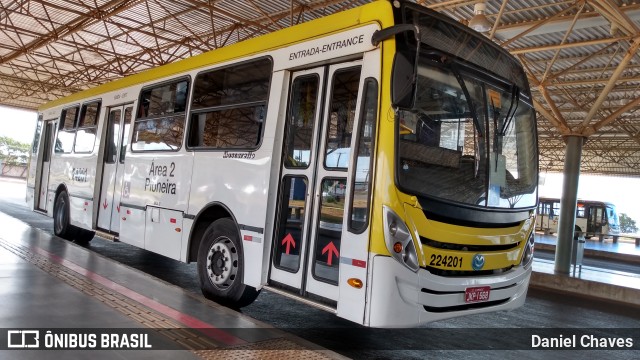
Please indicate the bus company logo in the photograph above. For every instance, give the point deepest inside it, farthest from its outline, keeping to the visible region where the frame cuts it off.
(478, 262)
(20, 339)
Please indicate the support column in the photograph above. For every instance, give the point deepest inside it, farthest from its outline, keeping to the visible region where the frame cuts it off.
(568, 204)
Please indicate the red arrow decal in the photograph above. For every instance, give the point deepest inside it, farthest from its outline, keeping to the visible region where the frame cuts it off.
(118, 208)
(332, 251)
(104, 205)
(289, 241)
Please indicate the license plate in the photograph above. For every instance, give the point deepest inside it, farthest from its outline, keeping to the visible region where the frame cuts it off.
(477, 294)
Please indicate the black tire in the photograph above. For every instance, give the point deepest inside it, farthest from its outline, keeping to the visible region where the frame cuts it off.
(84, 236)
(61, 226)
(220, 266)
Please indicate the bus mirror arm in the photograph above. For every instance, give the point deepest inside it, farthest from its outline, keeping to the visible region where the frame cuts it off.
(381, 35)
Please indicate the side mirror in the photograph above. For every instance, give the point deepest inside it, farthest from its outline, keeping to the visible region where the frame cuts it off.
(403, 83)
(405, 67)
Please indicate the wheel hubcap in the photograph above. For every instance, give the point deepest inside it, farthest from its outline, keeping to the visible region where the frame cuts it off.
(222, 263)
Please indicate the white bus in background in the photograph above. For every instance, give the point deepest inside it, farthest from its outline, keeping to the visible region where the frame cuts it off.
(593, 218)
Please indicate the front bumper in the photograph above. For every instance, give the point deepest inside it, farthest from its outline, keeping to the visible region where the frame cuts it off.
(402, 298)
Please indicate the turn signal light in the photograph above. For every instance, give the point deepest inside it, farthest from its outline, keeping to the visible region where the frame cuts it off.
(397, 247)
(356, 283)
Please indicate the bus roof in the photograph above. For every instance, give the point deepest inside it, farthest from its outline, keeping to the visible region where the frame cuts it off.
(378, 11)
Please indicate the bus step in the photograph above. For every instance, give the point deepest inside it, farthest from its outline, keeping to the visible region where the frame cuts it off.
(300, 298)
(107, 236)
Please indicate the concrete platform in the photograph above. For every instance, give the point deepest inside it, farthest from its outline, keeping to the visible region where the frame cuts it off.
(622, 250)
(604, 284)
(47, 283)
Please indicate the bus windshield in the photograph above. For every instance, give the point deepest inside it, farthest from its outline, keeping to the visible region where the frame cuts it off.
(470, 136)
(467, 139)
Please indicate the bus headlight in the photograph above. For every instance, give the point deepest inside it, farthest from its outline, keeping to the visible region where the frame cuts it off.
(398, 240)
(527, 256)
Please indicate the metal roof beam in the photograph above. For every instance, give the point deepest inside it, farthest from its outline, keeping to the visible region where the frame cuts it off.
(631, 52)
(538, 25)
(556, 120)
(592, 81)
(111, 8)
(568, 45)
(611, 118)
(612, 13)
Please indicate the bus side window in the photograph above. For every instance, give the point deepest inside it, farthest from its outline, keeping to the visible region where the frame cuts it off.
(365, 145)
(125, 133)
(342, 113)
(67, 130)
(113, 132)
(87, 128)
(229, 106)
(160, 122)
(36, 136)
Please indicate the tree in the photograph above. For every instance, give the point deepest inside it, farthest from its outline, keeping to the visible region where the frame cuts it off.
(13, 152)
(627, 224)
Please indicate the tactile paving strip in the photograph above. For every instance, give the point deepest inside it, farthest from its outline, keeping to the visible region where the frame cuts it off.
(278, 349)
(188, 338)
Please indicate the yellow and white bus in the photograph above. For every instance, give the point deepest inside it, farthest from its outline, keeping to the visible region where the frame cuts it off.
(379, 163)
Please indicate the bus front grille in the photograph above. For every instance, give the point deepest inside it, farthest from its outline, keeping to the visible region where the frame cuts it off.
(467, 247)
(454, 273)
(465, 306)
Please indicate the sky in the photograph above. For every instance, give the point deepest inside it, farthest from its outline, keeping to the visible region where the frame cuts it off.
(624, 192)
(17, 124)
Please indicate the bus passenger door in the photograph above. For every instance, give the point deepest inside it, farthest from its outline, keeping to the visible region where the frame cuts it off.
(47, 144)
(594, 222)
(302, 126)
(331, 188)
(118, 125)
(315, 188)
(545, 216)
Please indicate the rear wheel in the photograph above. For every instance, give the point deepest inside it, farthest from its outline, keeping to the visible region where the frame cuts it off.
(221, 264)
(61, 225)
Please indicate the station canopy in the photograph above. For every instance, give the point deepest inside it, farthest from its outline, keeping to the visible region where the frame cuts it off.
(581, 56)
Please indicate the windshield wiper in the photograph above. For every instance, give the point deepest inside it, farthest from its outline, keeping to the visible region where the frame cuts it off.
(465, 91)
(515, 98)
(498, 135)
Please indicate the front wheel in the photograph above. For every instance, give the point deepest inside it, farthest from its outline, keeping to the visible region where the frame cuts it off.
(220, 266)
(61, 226)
